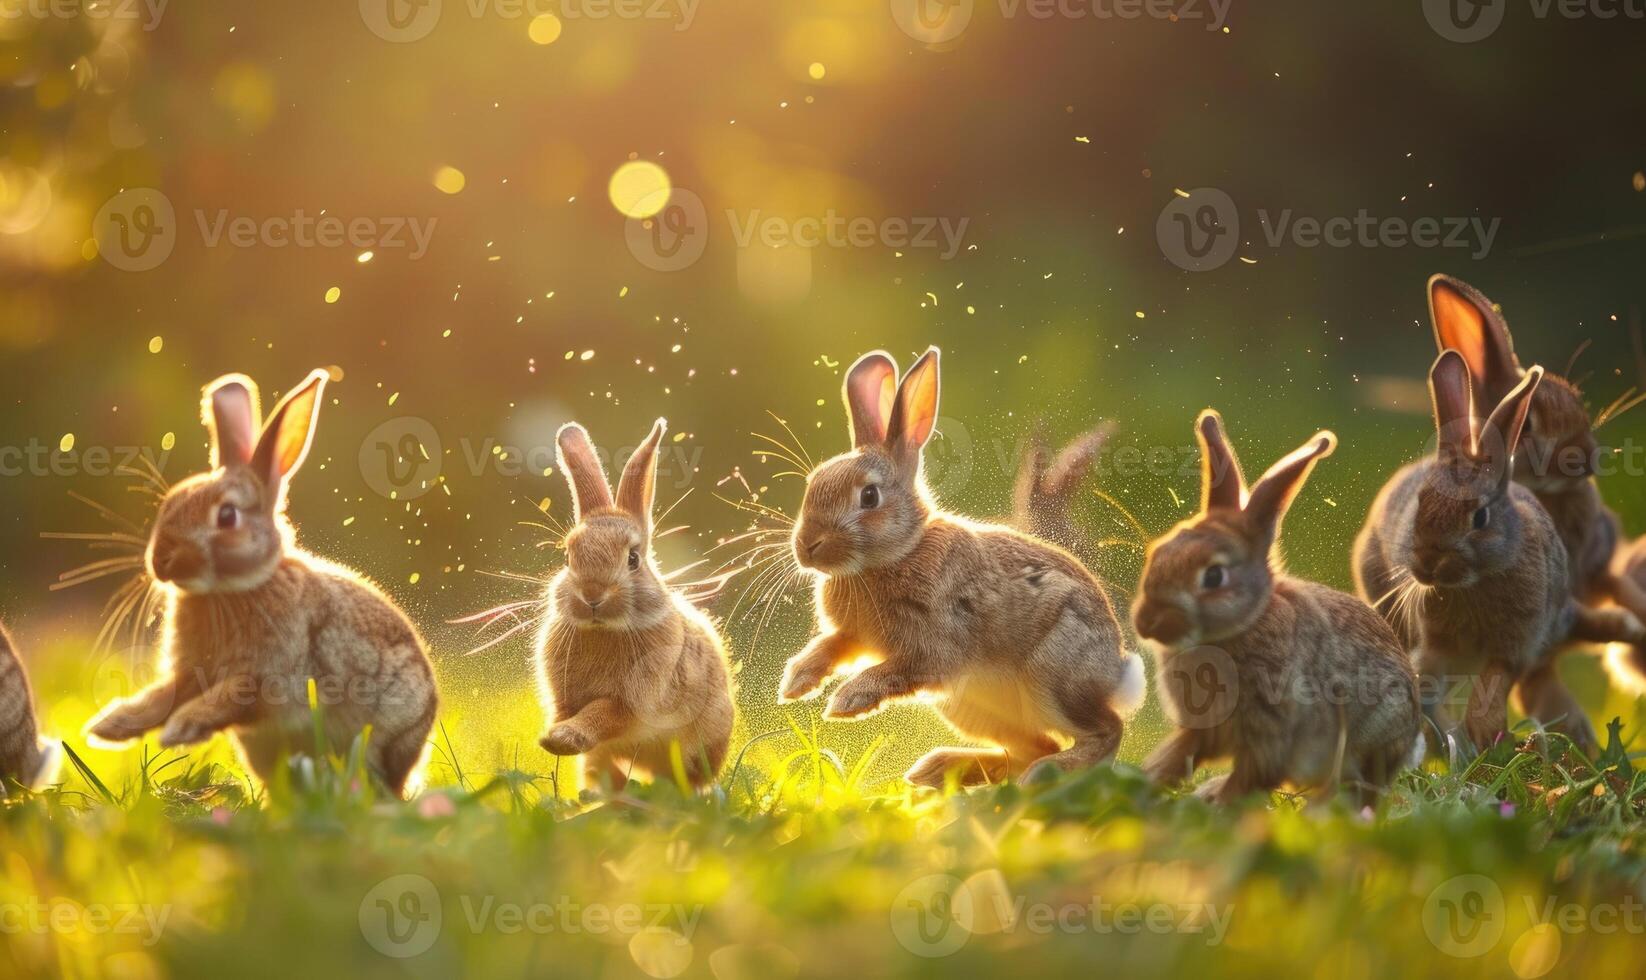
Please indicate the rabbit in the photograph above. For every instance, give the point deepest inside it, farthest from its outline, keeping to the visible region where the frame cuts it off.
(1014, 638)
(627, 668)
(1484, 566)
(1628, 663)
(1558, 452)
(1303, 682)
(250, 618)
(26, 758)
(1043, 496)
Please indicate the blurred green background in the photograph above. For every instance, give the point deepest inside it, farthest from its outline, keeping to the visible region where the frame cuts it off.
(1057, 141)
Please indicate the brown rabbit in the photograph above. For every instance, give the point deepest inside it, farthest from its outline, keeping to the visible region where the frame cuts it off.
(251, 618)
(1295, 682)
(628, 669)
(1043, 498)
(1558, 453)
(1629, 663)
(1484, 565)
(25, 757)
(1014, 636)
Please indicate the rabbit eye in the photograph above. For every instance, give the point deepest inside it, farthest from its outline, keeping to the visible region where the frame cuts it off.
(228, 518)
(1214, 577)
(870, 497)
(1483, 517)
(634, 559)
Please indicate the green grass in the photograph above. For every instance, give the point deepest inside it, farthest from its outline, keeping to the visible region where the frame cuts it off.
(801, 863)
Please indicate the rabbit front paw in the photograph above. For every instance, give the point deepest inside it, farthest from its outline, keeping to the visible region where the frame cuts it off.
(185, 730)
(801, 680)
(567, 739)
(122, 721)
(853, 703)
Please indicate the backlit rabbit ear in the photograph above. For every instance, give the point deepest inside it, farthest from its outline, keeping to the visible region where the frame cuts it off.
(914, 414)
(639, 480)
(590, 492)
(288, 435)
(871, 385)
(1500, 436)
(1467, 322)
(1222, 485)
(230, 413)
(1274, 492)
(1452, 391)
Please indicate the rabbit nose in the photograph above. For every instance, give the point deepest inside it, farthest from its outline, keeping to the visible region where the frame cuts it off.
(1161, 623)
(593, 598)
(175, 561)
(1424, 565)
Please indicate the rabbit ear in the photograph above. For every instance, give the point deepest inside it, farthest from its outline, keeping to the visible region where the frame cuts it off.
(1501, 434)
(1450, 387)
(288, 434)
(639, 480)
(1466, 321)
(229, 410)
(1275, 490)
(914, 415)
(871, 386)
(590, 492)
(1222, 485)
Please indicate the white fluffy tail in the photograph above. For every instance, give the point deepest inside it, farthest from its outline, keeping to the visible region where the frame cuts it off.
(51, 760)
(1128, 694)
(1419, 753)
(1627, 667)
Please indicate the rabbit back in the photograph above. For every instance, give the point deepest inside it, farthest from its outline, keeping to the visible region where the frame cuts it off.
(982, 600)
(24, 755)
(674, 677)
(311, 619)
(1317, 670)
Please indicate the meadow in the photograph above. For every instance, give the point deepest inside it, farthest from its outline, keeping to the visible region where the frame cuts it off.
(434, 202)
(805, 860)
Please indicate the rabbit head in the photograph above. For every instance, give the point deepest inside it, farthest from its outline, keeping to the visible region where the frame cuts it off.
(610, 581)
(227, 531)
(1558, 444)
(1465, 525)
(1211, 577)
(866, 508)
